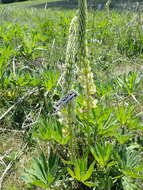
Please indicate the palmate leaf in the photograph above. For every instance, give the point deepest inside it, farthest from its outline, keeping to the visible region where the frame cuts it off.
(129, 82)
(39, 169)
(44, 163)
(59, 138)
(124, 114)
(39, 183)
(129, 163)
(42, 173)
(51, 129)
(139, 168)
(102, 153)
(44, 132)
(108, 152)
(89, 172)
(34, 179)
(77, 171)
(27, 178)
(50, 78)
(133, 158)
(104, 120)
(128, 184)
(81, 173)
(132, 173)
(122, 138)
(34, 172)
(53, 163)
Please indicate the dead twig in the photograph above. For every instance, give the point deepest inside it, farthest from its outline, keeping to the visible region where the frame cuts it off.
(134, 98)
(2, 157)
(2, 130)
(30, 124)
(33, 122)
(9, 109)
(4, 173)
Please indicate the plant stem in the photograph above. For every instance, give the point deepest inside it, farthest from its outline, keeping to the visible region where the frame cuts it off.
(70, 124)
(70, 78)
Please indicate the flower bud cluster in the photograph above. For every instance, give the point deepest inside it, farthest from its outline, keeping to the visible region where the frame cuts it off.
(88, 87)
(70, 68)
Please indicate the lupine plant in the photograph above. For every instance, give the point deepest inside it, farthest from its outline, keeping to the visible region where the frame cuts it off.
(93, 142)
(84, 144)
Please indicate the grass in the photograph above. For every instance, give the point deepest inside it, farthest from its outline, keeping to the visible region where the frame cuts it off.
(32, 48)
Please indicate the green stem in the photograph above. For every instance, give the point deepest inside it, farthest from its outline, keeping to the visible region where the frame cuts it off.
(71, 126)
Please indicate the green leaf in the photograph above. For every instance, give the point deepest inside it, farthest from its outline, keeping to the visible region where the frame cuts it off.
(39, 184)
(129, 184)
(38, 171)
(131, 173)
(102, 153)
(94, 153)
(122, 138)
(89, 184)
(88, 173)
(71, 173)
(77, 170)
(42, 173)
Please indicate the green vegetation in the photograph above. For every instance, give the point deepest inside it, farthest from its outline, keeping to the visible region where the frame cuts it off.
(96, 141)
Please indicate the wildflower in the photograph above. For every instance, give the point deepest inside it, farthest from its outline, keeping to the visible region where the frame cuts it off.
(84, 72)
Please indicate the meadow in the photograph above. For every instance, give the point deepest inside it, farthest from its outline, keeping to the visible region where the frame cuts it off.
(96, 140)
